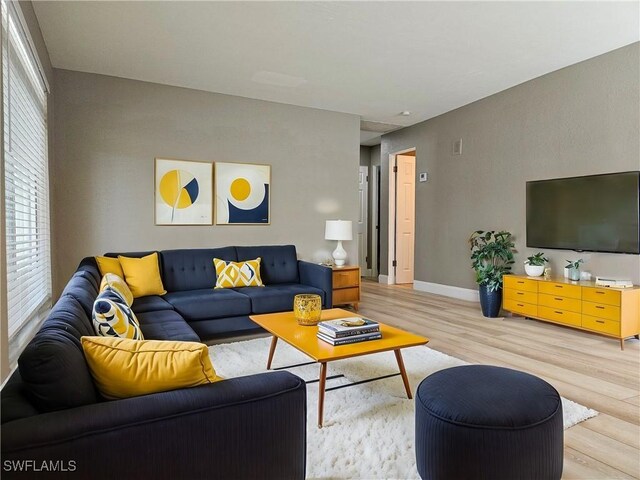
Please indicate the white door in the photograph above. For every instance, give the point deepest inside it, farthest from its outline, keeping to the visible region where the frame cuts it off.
(405, 217)
(361, 226)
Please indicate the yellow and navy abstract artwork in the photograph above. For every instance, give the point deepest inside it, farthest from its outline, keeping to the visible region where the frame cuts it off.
(183, 192)
(242, 193)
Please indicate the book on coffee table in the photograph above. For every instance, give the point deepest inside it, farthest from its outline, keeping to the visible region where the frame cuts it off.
(351, 339)
(346, 327)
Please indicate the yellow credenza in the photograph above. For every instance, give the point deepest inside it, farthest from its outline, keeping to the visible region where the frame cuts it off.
(608, 311)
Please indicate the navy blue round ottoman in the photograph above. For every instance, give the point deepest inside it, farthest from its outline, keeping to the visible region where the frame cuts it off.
(485, 422)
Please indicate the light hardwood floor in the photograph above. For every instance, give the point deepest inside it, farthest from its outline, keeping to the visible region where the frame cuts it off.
(583, 367)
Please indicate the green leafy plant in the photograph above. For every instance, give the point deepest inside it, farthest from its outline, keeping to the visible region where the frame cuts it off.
(491, 257)
(574, 265)
(537, 260)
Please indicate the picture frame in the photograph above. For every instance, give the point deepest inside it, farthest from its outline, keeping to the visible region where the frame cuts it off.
(243, 193)
(183, 192)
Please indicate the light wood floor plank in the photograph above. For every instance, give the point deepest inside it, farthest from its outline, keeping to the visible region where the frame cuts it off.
(584, 367)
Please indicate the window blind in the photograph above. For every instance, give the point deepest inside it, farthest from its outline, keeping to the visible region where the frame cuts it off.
(26, 179)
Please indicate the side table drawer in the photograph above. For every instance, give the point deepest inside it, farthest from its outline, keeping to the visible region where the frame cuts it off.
(601, 325)
(346, 295)
(347, 278)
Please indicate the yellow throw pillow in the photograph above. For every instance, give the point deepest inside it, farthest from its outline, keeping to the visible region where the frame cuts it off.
(142, 275)
(237, 274)
(109, 265)
(125, 368)
(113, 282)
(112, 317)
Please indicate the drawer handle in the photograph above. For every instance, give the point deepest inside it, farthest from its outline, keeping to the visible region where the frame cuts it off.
(520, 305)
(520, 281)
(599, 321)
(519, 293)
(558, 298)
(559, 286)
(559, 313)
(599, 292)
(598, 306)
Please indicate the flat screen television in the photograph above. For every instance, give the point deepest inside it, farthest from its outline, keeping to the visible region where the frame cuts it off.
(598, 213)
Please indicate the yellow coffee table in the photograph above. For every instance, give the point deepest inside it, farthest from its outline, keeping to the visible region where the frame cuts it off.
(285, 327)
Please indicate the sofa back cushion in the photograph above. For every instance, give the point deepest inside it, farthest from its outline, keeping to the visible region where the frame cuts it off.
(192, 269)
(52, 366)
(83, 288)
(279, 263)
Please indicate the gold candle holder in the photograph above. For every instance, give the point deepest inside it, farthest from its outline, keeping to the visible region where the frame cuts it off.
(307, 308)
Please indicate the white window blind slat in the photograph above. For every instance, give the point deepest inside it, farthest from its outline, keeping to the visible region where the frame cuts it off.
(26, 177)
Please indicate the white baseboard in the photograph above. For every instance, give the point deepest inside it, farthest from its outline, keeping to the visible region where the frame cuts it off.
(386, 279)
(447, 290)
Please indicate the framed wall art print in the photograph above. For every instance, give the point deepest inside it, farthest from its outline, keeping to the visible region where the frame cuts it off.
(243, 194)
(183, 192)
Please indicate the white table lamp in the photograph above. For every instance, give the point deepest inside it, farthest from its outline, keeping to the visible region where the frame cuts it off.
(338, 230)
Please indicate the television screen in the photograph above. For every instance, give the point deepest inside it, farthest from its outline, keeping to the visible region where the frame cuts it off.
(599, 213)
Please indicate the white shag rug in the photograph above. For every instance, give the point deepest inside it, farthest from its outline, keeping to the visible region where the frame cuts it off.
(368, 429)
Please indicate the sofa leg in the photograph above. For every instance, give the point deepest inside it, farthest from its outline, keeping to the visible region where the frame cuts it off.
(272, 350)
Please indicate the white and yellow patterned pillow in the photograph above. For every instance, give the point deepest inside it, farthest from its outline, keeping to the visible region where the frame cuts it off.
(112, 317)
(237, 274)
(113, 282)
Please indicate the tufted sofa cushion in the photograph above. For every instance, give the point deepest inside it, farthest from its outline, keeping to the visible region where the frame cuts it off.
(279, 262)
(192, 269)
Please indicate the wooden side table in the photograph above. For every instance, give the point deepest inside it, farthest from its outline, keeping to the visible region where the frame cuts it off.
(346, 285)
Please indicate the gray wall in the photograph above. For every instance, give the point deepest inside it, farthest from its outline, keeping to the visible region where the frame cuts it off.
(583, 119)
(108, 131)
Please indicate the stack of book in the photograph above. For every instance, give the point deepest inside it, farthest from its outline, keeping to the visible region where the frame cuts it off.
(343, 331)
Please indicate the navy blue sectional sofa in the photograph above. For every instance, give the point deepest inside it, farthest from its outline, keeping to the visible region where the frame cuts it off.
(248, 427)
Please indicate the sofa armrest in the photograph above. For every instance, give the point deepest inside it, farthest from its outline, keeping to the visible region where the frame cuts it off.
(247, 427)
(318, 276)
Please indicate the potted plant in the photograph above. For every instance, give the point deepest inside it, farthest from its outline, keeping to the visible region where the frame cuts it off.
(574, 269)
(534, 265)
(491, 257)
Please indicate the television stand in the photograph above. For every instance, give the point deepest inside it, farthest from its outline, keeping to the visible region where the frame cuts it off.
(614, 312)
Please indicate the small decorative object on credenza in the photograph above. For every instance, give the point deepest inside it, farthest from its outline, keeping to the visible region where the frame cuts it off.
(534, 265)
(343, 331)
(614, 282)
(573, 268)
(338, 230)
(307, 308)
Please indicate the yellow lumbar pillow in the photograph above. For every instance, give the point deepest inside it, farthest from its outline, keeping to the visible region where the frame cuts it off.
(238, 274)
(125, 368)
(115, 283)
(109, 265)
(142, 275)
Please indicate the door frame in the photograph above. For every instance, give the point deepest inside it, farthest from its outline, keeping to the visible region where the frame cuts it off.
(366, 270)
(374, 218)
(391, 276)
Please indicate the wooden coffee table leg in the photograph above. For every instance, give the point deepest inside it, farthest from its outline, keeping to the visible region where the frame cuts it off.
(323, 380)
(272, 350)
(403, 373)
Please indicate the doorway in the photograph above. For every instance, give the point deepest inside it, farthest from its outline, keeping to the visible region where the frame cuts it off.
(402, 195)
(362, 234)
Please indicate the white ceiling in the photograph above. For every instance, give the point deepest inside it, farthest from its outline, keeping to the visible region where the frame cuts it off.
(373, 59)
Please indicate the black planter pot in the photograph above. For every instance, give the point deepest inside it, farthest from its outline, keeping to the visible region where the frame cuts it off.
(490, 301)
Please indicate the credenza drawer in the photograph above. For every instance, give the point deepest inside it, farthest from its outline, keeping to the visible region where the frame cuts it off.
(603, 325)
(518, 283)
(601, 311)
(521, 296)
(560, 316)
(525, 309)
(601, 295)
(560, 289)
(559, 303)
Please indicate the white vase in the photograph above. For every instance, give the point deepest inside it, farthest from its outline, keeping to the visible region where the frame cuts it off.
(533, 270)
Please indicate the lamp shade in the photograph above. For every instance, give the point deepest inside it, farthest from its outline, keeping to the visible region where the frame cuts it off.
(338, 230)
